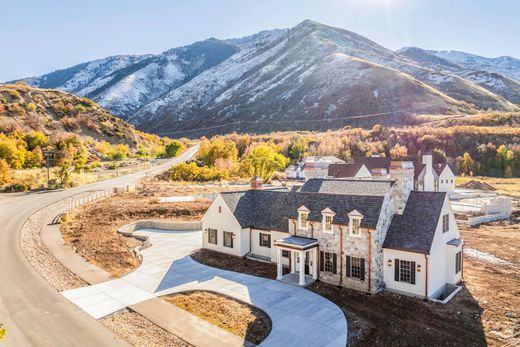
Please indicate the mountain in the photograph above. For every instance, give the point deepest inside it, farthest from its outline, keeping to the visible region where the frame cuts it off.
(311, 76)
(476, 73)
(56, 113)
(506, 66)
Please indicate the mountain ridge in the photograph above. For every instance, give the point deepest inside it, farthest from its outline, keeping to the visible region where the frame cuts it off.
(282, 74)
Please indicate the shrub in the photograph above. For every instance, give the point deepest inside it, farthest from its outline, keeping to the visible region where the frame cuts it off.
(14, 94)
(121, 152)
(36, 139)
(193, 172)
(80, 108)
(5, 172)
(31, 106)
(12, 151)
(3, 100)
(173, 149)
(217, 148)
(17, 187)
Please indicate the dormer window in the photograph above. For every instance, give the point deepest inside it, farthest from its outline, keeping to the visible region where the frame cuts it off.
(328, 217)
(303, 217)
(355, 223)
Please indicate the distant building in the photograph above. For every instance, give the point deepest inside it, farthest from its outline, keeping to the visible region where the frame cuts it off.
(295, 172)
(318, 166)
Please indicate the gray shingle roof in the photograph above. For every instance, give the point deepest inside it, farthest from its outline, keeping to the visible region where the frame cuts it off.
(415, 228)
(344, 170)
(341, 205)
(374, 162)
(347, 186)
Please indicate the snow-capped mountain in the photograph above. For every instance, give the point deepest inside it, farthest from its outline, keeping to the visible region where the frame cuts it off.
(307, 77)
(506, 66)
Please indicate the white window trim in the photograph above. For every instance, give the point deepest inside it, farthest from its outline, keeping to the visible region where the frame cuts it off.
(324, 223)
(306, 227)
(351, 226)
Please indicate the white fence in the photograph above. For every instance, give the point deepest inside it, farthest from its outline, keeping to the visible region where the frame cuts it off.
(487, 218)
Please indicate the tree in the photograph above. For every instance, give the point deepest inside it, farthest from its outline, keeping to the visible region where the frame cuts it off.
(12, 150)
(173, 149)
(263, 161)
(505, 161)
(5, 172)
(297, 150)
(466, 164)
(65, 166)
(121, 152)
(35, 139)
(217, 148)
(80, 157)
(398, 152)
(439, 156)
(33, 158)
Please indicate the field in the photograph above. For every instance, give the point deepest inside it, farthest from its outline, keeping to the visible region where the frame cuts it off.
(503, 186)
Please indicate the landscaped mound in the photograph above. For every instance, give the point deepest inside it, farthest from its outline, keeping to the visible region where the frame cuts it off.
(237, 317)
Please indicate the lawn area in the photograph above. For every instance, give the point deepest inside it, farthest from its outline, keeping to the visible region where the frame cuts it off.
(239, 318)
(503, 186)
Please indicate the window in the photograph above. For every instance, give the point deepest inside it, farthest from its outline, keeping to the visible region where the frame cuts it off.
(452, 180)
(228, 239)
(265, 240)
(327, 223)
(404, 271)
(458, 262)
(220, 209)
(212, 236)
(445, 223)
(328, 262)
(355, 268)
(285, 253)
(354, 227)
(304, 220)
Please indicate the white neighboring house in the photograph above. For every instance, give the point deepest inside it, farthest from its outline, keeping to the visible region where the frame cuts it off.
(433, 177)
(295, 171)
(368, 235)
(318, 166)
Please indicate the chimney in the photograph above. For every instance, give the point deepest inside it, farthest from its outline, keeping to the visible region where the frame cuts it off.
(256, 183)
(402, 172)
(428, 184)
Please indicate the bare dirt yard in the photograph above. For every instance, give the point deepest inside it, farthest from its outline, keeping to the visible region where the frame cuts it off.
(239, 318)
(92, 229)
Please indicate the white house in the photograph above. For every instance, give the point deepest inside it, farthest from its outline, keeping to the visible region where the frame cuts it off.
(367, 235)
(318, 166)
(295, 171)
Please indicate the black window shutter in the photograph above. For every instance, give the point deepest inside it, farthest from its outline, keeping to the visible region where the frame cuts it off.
(348, 266)
(334, 262)
(231, 237)
(362, 272)
(322, 261)
(412, 274)
(260, 239)
(396, 270)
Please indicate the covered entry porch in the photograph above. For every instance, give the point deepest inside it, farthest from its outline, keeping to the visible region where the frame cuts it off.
(303, 259)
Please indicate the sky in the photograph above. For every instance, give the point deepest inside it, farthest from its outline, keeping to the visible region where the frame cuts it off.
(40, 36)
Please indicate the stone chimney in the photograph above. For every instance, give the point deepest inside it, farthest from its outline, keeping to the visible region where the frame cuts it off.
(402, 172)
(256, 183)
(429, 184)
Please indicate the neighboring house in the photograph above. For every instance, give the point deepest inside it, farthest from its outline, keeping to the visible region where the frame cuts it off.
(295, 172)
(318, 166)
(351, 170)
(427, 176)
(367, 235)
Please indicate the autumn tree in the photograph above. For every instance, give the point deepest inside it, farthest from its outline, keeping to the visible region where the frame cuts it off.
(5, 172)
(173, 149)
(217, 148)
(297, 150)
(263, 161)
(466, 164)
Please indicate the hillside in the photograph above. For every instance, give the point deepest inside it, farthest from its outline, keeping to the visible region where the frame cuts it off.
(311, 76)
(57, 114)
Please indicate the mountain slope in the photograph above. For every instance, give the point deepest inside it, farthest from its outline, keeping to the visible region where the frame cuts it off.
(304, 77)
(56, 113)
(506, 66)
(494, 82)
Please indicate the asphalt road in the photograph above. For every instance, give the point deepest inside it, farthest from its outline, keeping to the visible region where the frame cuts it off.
(31, 310)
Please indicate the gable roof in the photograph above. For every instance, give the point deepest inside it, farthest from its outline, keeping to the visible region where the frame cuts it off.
(344, 170)
(415, 229)
(374, 162)
(345, 186)
(262, 209)
(419, 167)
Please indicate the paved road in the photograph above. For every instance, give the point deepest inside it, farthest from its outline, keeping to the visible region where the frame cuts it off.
(299, 317)
(32, 311)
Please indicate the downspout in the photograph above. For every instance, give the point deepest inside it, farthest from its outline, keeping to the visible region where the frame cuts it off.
(250, 242)
(462, 262)
(369, 257)
(294, 222)
(426, 273)
(312, 230)
(340, 255)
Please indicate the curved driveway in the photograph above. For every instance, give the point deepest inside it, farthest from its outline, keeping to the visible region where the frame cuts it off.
(299, 316)
(32, 311)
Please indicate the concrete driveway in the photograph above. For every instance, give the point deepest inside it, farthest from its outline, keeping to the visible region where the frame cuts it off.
(299, 317)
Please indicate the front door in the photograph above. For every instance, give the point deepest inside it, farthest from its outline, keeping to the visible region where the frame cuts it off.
(307, 267)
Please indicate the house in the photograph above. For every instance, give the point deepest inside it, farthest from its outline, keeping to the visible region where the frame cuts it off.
(295, 172)
(427, 176)
(368, 235)
(318, 166)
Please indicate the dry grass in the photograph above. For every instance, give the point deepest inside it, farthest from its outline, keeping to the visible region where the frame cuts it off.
(504, 186)
(239, 318)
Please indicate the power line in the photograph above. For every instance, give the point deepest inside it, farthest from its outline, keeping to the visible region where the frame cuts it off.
(279, 121)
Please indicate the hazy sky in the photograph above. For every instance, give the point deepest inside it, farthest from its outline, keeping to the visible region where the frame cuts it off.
(39, 36)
